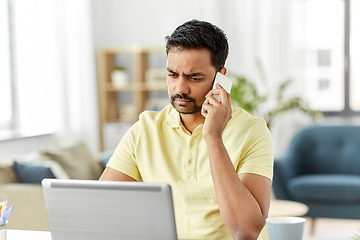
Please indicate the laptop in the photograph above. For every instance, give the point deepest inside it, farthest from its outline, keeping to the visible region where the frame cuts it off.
(93, 210)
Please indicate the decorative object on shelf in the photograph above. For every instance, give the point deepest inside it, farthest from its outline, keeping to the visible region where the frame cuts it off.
(112, 111)
(245, 95)
(119, 77)
(127, 113)
(155, 77)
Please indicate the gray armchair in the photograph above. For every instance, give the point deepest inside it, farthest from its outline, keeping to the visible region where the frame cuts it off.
(321, 168)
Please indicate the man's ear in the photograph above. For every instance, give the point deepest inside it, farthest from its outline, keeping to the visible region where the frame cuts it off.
(223, 70)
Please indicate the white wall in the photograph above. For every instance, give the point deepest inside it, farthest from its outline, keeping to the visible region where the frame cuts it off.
(269, 30)
(123, 22)
(257, 29)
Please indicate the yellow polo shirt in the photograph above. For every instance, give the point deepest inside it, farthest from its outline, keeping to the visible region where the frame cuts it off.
(158, 148)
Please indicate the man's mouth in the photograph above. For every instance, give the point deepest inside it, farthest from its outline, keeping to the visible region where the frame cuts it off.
(181, 100)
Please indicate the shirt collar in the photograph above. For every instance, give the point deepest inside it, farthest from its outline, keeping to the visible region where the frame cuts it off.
(173, 118)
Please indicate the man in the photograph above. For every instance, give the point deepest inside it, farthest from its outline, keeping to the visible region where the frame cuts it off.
(217, 158)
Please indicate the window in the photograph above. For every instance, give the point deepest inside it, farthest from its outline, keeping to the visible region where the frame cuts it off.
(355, 55)
(331, 27)
(28, 96)
(324, 33)
(6, 115)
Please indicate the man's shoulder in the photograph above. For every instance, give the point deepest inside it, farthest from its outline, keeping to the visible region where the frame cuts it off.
(155, 116)
(240, 115)
(243, 123)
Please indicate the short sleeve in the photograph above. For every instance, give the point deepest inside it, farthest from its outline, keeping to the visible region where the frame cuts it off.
(124, 157)
(258, 157)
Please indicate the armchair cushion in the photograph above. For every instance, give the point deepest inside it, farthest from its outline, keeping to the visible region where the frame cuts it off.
(321, 168)
(326, 188)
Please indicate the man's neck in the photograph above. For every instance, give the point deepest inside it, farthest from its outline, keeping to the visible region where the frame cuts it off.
(192, 121)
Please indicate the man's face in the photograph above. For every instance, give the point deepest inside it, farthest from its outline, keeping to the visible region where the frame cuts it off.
(190, 76)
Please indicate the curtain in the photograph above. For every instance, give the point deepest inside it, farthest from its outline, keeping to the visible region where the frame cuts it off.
(78, 86)
(54, 74)
(272, 33)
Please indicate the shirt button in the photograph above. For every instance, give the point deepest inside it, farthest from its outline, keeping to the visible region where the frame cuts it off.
(192, 144)
(190, 161)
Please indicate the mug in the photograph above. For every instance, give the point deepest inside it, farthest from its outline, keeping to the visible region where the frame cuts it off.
(285, 228)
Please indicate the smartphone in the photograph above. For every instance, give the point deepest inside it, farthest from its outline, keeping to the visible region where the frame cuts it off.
(225, 82)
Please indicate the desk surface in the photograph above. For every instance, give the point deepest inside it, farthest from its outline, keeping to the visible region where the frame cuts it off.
(43, 235)
(277, 208)
(281, 208)
(13, 234)
(28, 235)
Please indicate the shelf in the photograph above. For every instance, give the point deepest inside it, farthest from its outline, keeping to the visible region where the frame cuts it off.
(109, 106)
(134, 87)
(133, 49)
(132, 120)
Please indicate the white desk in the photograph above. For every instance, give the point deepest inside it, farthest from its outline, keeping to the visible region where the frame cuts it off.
(277, 208)
(42, 235)
(27, 235)
(13, 234)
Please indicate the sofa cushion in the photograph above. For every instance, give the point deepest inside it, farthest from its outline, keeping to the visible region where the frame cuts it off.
(7, 174)
(325, 188)
(76, 159)
(34, 170)
(28, 172)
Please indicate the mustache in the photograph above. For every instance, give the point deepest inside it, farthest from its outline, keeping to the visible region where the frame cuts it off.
(182, 96)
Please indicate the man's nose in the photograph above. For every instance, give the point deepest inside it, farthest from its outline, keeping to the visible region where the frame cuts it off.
(182, 86)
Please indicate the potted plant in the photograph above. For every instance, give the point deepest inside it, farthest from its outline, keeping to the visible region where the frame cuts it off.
(356, 236)
(244, 94)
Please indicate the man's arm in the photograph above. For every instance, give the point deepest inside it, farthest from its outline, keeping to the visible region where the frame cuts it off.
(243, 199)
(111, 174)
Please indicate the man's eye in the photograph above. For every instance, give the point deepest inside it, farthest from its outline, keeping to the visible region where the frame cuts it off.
(171, 75)
(195, 79)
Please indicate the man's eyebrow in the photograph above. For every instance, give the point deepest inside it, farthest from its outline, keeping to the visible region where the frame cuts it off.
(195, 74)
(171, 71)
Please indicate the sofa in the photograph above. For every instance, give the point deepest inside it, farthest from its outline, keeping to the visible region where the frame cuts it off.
(20, 179)
(321, 168)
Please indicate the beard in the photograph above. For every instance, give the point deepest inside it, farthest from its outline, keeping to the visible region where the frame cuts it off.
(193, 110)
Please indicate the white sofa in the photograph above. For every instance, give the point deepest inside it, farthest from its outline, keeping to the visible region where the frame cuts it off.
(65, 160)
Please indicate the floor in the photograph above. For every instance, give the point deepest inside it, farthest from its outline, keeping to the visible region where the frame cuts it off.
(332, 229)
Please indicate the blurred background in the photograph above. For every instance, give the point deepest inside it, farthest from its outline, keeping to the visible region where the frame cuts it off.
(52, 53)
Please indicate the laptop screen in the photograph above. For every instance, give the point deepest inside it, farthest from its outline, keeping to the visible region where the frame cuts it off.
(90, 209)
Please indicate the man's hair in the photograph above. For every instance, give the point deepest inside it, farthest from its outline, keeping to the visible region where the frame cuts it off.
(196, 34)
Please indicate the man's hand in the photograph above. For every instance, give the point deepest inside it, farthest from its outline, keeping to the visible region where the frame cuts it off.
(243, 199)
(217, 114)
